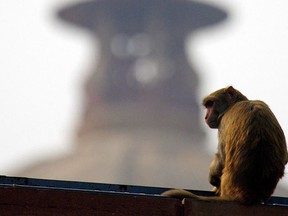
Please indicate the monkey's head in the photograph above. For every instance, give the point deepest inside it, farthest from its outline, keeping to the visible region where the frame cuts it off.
(218, 102)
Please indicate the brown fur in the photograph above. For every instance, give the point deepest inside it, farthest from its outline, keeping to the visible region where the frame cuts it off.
(252, 151)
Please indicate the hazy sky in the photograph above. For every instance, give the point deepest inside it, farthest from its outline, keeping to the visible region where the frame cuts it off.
(44, 63)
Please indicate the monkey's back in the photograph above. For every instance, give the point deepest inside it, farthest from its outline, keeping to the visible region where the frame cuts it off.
(255, 149)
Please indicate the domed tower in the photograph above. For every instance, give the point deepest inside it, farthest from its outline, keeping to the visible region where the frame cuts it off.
(141, 119)
(143, 77)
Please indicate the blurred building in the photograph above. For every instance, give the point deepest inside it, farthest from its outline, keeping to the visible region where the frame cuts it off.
(141, 123)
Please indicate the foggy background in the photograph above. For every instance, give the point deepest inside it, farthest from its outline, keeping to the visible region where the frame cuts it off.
(44, 64)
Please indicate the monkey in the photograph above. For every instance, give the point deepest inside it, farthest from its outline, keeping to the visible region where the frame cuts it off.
(251, 153)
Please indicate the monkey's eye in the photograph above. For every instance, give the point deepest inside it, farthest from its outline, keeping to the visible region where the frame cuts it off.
(209, 103)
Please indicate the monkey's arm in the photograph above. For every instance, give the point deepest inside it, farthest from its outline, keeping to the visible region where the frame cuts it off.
(215, 172)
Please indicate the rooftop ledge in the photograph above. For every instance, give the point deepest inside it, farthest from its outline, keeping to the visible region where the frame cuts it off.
(28, 196)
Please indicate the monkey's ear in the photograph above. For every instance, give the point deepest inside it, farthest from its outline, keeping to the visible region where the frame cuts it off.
(231, 91)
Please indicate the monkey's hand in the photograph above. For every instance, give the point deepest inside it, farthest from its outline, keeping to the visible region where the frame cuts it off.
(215, 180)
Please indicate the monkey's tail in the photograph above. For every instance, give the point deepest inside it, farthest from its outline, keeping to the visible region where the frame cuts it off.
(182, 194)
(179, 194)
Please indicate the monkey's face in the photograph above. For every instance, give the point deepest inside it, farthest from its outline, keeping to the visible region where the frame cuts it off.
(212, 114)
(218, 102)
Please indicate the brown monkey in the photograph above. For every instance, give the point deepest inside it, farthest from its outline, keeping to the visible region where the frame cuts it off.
(252, 151)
